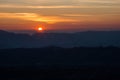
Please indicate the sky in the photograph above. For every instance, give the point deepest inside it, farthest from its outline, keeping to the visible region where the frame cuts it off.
(60, 15)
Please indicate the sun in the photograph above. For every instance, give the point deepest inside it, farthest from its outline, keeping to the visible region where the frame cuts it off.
(40, 29)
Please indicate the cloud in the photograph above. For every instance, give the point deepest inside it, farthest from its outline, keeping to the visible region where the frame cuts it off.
(77, 15)
(21, 6)
(36, 17)
(60, 11)
(59, 2)
(55, 7)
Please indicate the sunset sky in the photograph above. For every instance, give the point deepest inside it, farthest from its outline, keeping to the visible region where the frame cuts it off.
(60, 14)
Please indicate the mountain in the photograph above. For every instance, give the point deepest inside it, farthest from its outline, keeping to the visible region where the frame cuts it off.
(83, 39)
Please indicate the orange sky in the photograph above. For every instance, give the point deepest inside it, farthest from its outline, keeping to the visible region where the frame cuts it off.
(60, 14)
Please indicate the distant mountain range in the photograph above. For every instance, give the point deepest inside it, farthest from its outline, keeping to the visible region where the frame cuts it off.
(79, 39)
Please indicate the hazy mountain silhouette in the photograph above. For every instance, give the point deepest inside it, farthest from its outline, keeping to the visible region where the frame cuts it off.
(86, 39)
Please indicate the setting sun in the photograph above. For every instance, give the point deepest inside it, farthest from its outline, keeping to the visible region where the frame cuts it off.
(40, 29)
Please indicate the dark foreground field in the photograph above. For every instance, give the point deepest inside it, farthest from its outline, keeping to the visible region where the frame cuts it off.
(75, 73)
(54, 63)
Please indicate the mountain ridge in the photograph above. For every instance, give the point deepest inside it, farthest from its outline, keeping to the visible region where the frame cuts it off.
(79, 39)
